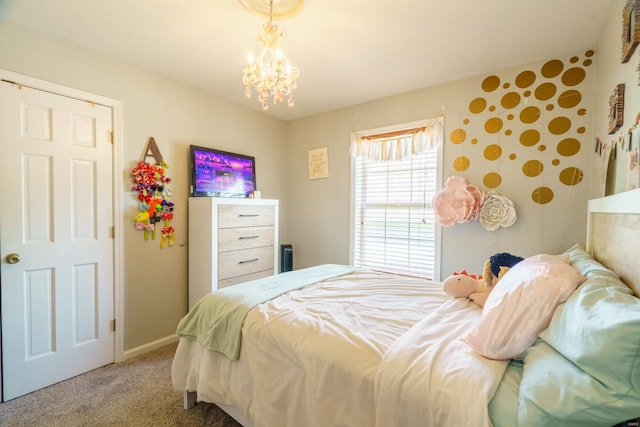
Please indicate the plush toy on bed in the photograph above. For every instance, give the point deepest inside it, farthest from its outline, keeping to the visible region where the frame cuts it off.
(466, 285)
(477, 288)
(497, 265)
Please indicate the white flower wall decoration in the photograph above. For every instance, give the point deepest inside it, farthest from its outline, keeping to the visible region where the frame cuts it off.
(497, 211)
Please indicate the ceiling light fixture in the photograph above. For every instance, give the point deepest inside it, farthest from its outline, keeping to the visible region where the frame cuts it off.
(270, 74)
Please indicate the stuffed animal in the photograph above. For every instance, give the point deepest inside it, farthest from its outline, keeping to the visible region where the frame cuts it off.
(477, 288)
(497, 265)
(466, 285)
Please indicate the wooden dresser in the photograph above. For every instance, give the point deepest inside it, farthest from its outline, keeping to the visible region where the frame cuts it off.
(230, 241)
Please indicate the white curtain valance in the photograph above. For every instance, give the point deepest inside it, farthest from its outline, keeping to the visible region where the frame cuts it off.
(398, 145)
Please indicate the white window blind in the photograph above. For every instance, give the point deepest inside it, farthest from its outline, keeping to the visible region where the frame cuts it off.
(393, 221)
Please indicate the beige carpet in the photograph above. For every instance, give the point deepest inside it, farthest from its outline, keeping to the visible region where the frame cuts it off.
(136, 392)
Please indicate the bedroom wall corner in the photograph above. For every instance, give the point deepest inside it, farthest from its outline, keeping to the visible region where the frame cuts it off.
(176, 115)
(522, 132)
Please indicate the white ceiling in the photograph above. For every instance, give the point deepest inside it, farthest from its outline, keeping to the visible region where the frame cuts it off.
(348, 51)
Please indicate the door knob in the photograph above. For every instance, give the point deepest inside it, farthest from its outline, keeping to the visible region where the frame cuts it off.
(13, 258)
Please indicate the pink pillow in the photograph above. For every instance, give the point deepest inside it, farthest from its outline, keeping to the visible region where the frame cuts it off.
(521, 305)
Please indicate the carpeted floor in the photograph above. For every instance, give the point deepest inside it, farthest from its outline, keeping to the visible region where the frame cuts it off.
(136, 393)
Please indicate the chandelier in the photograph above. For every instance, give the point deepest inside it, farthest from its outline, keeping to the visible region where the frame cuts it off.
(270, 74)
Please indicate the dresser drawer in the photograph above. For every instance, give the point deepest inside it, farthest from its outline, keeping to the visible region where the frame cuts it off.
(240, 279)
(232, 239)
(245, 216)
(239, 263)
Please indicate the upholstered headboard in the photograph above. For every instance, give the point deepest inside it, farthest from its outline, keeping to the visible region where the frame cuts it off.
(613, 235)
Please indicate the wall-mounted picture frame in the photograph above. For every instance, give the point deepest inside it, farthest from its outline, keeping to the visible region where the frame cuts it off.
(630, 28)
(318, 163)
(616, 108)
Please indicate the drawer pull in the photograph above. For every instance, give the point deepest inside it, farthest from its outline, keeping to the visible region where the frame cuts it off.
(248, 237)
(248, 215)
(249, 260)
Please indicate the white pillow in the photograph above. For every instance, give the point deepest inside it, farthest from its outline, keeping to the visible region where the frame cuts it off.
(521, 305)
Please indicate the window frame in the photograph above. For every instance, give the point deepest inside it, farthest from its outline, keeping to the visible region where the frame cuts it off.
(437, 247)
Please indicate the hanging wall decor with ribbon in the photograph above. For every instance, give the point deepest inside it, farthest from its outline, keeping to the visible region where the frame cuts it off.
(152, 185)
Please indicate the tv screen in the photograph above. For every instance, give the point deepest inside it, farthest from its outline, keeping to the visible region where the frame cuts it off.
(216, 173)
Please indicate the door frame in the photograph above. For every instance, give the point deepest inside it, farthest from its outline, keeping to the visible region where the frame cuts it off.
(117, 197)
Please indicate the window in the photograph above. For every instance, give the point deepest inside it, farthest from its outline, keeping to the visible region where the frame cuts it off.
(393, 223)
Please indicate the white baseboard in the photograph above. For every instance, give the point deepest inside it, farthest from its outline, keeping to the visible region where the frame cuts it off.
(137, 351)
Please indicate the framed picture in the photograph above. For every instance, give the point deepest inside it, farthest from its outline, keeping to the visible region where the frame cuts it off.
(616, 108)
(318, 163)
(630, 28)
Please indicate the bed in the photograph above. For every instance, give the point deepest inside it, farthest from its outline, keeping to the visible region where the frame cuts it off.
(336, 345)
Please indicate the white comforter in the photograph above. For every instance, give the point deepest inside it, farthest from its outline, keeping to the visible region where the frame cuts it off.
(364, 349)
(428, 377)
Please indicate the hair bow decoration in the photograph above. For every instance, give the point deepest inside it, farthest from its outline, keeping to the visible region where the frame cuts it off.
(150, 181)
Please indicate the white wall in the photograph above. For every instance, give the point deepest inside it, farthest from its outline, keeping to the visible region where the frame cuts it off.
(611, 72)
(155, 280)
(319, 210)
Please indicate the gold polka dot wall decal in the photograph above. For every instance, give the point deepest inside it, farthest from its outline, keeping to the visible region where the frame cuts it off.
(574, 59)
(530, 114)
(461, 164)
(529, 137)
(458, 136)
(512, 156)
(474, 141)
(465, 121)
(542, 195)
(568, 147)
(589, 53)
(510, 100)
(492, 108)
(525, 79)
(587, 62)
(542, 147)
(581, 129)
(492, 152)
(478, 105)
(492, 180)
(510, 116)
(569, 98)
(506, 85)
(573, 76)
(545, 91)
(549, 107)
(559, 125)
(532, 168)
(555, 162)
(493, 125)
(582, 112)
(571, 176)
(552, 68)
(527, 93)
(508, 132)
(491, 83)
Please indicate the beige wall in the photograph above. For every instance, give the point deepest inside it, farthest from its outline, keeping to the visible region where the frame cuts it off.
(319, 210)
(611, 72)
(155, 280)
(318, 220)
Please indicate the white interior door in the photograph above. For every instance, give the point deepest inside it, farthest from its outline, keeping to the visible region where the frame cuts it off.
(56, 243)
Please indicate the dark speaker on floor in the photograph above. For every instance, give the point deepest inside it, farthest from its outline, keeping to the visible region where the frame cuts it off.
(286, 257)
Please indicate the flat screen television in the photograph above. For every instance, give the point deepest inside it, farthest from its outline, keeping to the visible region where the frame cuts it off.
(216, 173)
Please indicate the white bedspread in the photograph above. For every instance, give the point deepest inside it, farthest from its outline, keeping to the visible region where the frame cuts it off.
(313, 357)
(428, 377)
